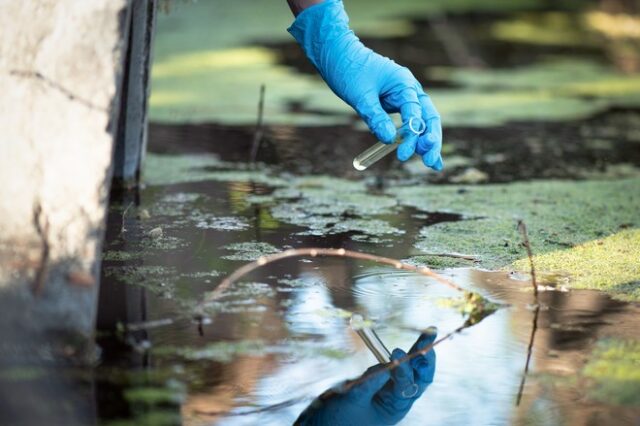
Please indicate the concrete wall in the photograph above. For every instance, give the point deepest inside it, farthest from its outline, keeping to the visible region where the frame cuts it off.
(60, 75)
(132, 124)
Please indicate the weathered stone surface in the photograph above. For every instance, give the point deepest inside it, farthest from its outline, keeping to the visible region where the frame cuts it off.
(60, 64)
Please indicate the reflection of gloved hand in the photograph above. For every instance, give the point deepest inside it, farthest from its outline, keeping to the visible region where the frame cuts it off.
(372, 84)
(379, 400)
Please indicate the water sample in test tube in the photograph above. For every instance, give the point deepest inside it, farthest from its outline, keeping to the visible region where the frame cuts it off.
(415, 126)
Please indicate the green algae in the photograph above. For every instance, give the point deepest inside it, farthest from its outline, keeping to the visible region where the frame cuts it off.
(202, 274)
(438, 262)
(327, 205)
(219, 351)
(558, 214)
(155, 278)
(493, 241)
(548, 29)
(222, 223)
(249, 251)
(366, 226)
(614, 369)
(549, 91)
(120, 255)
(163, 169)
(246, 290)
(169, 169)
(611, 264)
(163, 242)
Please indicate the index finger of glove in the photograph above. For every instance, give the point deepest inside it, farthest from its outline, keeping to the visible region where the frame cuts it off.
(430, 144)
(424, 365)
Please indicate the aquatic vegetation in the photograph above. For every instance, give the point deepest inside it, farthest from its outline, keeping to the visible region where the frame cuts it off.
(225, 223)
(614, 369)
(246, 290)
(558, 214)
(120, 255)
(611, 264)
(366, 226)
(203, 274)
(493, 241)
(158, 279)
(218, 351)
(160, 241)
(170, 169)
(473, 306)
(248, 251)
(437, 262)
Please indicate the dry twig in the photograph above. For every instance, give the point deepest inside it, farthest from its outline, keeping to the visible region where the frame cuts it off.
(314, 252)
(257, 137)
(124, 215)
(525, 237)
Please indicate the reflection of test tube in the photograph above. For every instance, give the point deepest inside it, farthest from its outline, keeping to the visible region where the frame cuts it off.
(371, 339)
(379, 150)
(378, 349)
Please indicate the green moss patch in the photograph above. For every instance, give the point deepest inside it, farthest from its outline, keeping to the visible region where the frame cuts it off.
(559, 215)
(611, 264)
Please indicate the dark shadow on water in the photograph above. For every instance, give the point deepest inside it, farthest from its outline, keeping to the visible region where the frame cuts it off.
(605, 145)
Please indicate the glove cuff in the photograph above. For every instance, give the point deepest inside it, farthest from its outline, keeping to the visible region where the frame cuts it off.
(320, 26)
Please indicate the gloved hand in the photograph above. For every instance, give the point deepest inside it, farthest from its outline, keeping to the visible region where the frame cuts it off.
(379, 400)
(372, 84)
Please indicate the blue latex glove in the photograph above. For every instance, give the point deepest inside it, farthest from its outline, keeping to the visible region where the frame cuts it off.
(372, 84)
(378, 400)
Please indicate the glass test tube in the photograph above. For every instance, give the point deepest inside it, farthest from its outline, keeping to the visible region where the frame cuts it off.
(371, 340)
(379, 150)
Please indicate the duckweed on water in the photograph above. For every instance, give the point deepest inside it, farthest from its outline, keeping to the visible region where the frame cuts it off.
(558, 215)
(158, 279)
(163, 169)
(170, 169)
(249, 251)
(614, 368)
(437, 262)
(120, 255)
(163, 242)
(245, 290)
(225, 223)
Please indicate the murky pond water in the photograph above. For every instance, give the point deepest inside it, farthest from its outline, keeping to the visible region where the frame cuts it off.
(280, 337)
